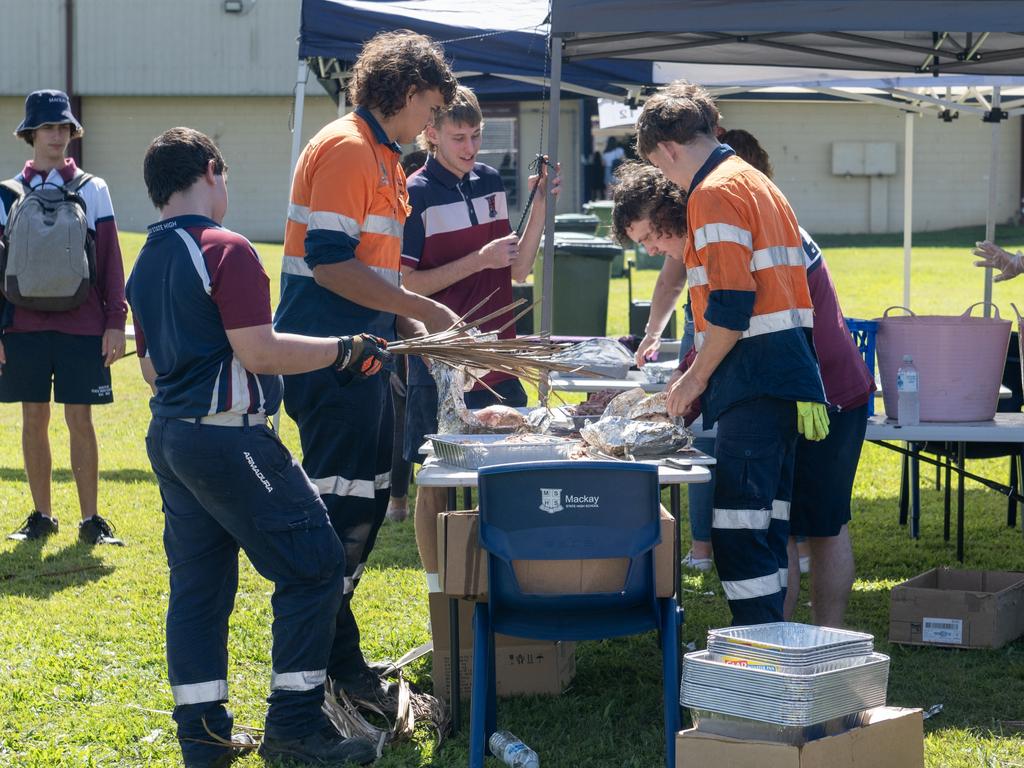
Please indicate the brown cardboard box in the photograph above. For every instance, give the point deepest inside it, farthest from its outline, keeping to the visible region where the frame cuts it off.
(463, 572)
(958, 609)
(894, 738)
(522, 665)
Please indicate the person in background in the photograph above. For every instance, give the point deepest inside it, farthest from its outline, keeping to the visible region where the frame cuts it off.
(754, 371)
(613, 156)
(67, 351)
(459, 249)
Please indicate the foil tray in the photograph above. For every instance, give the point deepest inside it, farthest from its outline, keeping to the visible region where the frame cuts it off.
(475, 451)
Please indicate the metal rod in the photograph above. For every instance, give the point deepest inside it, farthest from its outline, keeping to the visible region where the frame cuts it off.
(993, 174)
(908, 203)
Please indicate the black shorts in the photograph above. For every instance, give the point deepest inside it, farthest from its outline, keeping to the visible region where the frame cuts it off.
(825, 471)
(72, 364)
(421, 411)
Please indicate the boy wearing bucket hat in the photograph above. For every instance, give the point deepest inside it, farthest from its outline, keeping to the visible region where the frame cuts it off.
(71, 350)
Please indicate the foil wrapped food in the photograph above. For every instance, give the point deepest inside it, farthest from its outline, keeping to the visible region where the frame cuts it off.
(627, 438)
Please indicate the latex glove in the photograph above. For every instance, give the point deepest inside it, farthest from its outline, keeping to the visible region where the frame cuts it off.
(363, 355)
(812, 420)
(1009, 265)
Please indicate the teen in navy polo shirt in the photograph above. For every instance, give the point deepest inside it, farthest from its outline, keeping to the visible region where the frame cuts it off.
(459, 248)
(201, 304)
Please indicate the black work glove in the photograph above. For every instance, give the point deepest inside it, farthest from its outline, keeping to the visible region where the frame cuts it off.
(362, 355)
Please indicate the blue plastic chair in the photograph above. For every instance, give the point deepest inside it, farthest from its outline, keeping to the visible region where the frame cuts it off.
(569, 510)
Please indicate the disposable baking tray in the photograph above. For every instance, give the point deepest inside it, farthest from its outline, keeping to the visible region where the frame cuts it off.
(744, 728)
(475, 451)
(789, 643)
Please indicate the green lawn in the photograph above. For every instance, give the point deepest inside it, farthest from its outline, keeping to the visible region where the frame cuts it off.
(81, 631)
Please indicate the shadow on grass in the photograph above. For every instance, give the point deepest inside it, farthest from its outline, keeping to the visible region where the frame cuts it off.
(26, 572)
(17, 475)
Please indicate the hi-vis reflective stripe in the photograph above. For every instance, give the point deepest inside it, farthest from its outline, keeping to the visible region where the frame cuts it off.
(783, 320)
(750, 519)
(200, 693)
(762, 586)
(298, 213)
(697, 276)
(363, 489)
(351, 582)
(336, 222)
(197, 258)
(777, 256)
(382, 225)
(296, 265)
(297, 681)
(722, 233)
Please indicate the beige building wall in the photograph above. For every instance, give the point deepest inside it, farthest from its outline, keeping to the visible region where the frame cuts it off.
(951, 165)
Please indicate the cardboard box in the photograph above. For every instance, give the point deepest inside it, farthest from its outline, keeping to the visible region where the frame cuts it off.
(958, 609)
(894, 738)
(522, 665)
(463, 573)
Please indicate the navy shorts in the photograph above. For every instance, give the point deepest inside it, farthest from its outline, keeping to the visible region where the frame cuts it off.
(73, 365)
(421, 411)
(825, 471)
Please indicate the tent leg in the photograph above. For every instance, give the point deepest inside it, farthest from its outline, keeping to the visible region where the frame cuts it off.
(300, 103)
(908, 202)
(555, 109)
(990, 218)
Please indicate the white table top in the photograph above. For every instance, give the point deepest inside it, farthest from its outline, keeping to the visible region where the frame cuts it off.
(1005, 428)
(437, 474)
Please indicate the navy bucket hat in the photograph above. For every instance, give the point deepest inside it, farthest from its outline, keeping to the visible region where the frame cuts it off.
(48, 108)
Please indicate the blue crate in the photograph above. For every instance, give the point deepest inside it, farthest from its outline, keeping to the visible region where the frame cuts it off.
(864, 333)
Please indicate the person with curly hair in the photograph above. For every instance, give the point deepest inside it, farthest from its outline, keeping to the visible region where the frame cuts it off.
(341, 276)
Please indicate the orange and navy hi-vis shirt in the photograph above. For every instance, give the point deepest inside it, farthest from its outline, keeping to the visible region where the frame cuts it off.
(348, 201)
(745, 269)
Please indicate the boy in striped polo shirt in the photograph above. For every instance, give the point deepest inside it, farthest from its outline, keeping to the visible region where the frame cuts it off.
(755, 370)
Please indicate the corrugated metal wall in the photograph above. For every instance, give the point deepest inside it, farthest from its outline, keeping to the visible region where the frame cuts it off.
(32, 39)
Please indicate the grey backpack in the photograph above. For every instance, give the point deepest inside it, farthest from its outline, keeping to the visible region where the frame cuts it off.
(47, 253)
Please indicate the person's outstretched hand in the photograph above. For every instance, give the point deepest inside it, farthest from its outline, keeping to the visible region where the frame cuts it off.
(1009, 265)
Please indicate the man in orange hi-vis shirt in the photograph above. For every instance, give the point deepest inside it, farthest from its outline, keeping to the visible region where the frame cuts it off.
(755, 371)
(342, 253)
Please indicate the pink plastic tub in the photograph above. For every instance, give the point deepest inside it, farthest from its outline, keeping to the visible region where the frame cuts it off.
(959, 361)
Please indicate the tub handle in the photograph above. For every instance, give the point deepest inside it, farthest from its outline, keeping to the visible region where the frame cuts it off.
(967, 312)
(897, 306)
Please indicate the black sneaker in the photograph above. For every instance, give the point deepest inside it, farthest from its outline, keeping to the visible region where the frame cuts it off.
(368, 687)
(36, 527)
(324, 747)
(96, 530)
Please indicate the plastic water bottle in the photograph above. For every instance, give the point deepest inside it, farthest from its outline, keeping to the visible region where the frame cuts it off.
(512, 751)
(909, 400)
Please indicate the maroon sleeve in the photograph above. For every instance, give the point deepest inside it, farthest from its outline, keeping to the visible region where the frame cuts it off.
(239, 285)
(110, 274)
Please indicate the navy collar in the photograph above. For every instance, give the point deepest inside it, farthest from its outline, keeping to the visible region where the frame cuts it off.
(378, 132)
(716, 157)
(181, 222)
(441, 174)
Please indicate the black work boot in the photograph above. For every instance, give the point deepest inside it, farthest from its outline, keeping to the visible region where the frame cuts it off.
(323, 747)
(366, 686)
(35, 527)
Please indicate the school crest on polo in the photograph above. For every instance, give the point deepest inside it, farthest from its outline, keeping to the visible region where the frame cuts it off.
(492, 206)
(551, 500)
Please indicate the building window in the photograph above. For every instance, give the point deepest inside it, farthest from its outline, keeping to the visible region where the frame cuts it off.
(500, 148)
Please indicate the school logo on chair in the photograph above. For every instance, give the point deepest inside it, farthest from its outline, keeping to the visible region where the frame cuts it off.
(551, 500)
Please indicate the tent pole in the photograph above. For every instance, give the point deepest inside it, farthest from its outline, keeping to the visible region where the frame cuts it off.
(908, 202)
(554, 113)
(300, 103)
(990, 218)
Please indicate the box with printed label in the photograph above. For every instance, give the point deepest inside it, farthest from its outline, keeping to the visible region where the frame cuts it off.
(522, 665)
(892, 738)
(958, 609)
(463, 573)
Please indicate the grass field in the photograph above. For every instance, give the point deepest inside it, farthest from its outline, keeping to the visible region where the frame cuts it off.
(82, 671)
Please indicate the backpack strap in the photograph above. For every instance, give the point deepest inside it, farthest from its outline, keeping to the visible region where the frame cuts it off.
(16, 186)
(78, 182)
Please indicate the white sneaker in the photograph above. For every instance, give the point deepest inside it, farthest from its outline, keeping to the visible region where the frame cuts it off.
(702, 564)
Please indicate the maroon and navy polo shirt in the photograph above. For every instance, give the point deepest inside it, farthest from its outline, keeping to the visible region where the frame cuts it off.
(452, 217)
(193, 281)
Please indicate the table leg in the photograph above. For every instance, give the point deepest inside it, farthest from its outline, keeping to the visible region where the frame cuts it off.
(905, 488)
(915, 495)
(467, 498)
(453, 644)
(948, 505)
(960, 451)
(676, 509)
